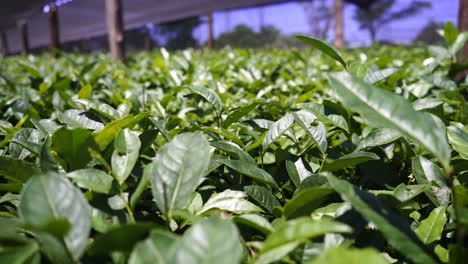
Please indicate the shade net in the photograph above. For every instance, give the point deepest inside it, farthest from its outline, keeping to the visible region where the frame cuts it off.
(82, 19)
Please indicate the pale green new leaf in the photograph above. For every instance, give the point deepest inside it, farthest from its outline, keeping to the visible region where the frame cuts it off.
(339, 255)
(323, 47)
(377, 76)
(350, 160)
(317, 133)
(459, 140)
(92, 179)
(378, 137)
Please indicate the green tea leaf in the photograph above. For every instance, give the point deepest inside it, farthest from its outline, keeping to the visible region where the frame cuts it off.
(393, 227)
(256, 221)
(431, 228)
(459, 140)
(350, 160)
(209, 95)
(262, 196)
(427, 172)
(176, 170)
(251, 170)
(317, 133)
(234, 149)
(378, 137)
(277, 129)
(323, 47)
(205, 242)
(237, 114)
(384, 109)
(377, 76)
(17, 170)
(306, 201)
(92, 179)
(125, 155)
(157, 248)
(337, 255)
(49, 197)
(231, 201)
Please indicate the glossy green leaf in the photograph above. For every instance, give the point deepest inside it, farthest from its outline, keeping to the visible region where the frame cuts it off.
(431, 228)
(92, 179)
(77, 118)
(17, 170)
(377, 76)
(450, 32)
(19, 254)
(319, 111)
(70, 147)
(106, 135)
(262, 196)
(125, 155)
(350, 160)
(209, 95)
(323, 47)
(206, 242)
(317, 133)
(27, 135)
(251, 170)
(277, 129)
(157, 248)
(49, 197)
(177, 169)
(384, 109)
(233, 149)
(459, 140)
(426, 103)
(378, 137)
(427, 172)
(336, 255)
(237, 114)
(394, 228)
(295, 232)
(298, 170)
(462, 38)
(306, 201)
(231, 201)
(255, 221)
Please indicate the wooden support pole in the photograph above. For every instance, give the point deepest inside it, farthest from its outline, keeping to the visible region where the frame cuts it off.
(114, 16)
(463, 26)
(210, 30)
(148, 42)
(4, 43)
(54, 31)
(339, 24)
(23, 28)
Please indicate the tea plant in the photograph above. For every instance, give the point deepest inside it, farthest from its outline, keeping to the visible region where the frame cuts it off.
(236, 156)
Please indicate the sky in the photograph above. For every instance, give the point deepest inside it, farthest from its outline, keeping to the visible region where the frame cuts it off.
(289, 18)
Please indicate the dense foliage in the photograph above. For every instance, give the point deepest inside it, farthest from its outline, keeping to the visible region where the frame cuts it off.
(236, 156)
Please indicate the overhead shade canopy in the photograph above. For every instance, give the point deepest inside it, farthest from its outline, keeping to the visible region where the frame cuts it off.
(86, 18)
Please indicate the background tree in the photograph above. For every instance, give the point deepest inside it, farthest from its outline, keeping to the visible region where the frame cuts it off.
(380, 13)
(428, 33)
(318, 17)
(179, 34)
(463, 26)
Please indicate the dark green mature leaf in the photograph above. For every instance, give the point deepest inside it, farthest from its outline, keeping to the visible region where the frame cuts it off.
(350, 160)
(338, 255)
(17, 170)
(234, 149)
(231, 201)
(323, 47)
(50, 197)
(106, 135)
(206, 242)
(431, 228)
(262, 196)
(125, 155)
(121, 238)
(19, 254)
(393, 227)
(378, 137)
(277, 129)
(306, 201)
(71, 147)
(177, 169)
(92, 179)
(237, 114)
(385, 109)
(251, 170)
(256, 221)
(459, 140)
(157, 248)
(427, 172)
(377, 76)
(209, 95)
(295, 232)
